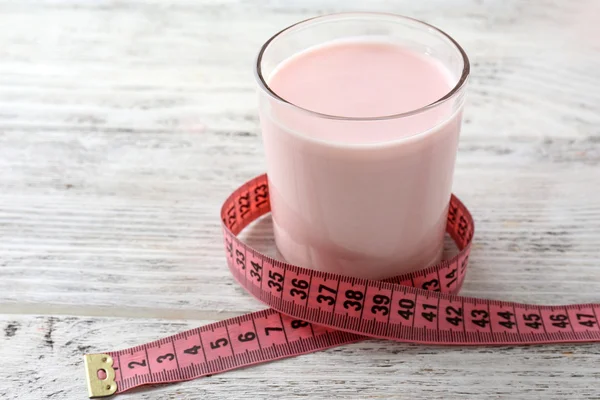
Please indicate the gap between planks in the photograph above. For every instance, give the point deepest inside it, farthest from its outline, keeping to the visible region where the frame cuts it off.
(46, 309)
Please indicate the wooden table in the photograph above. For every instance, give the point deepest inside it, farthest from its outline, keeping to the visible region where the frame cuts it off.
(124, 124)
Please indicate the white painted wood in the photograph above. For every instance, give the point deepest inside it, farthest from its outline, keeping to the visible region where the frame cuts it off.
(123, 125)
(373, 369)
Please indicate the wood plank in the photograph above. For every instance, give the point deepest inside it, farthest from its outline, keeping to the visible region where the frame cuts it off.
(42, 359)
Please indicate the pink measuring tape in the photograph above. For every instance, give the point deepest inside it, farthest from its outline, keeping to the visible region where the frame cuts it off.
(312, 310)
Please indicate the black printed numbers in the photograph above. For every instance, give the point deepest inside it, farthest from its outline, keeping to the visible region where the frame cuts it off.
(429, 316)
(192, 350)
(299, 288)
(463, 265)
(452, 211)
(560, 320)
(381, 303)
(433, 285)
(586, 320)
(462, 227)
(244, 203)
(240, 259)
(229, 246)
(300, 284)
(275, 280)
(323, 298)
(219, 343)
(354, 295)
(247, 337)
(296, 324)
(327, 299)
(533, 320)
(507, 316)
(261, 195)
(452, 276)
(134, 364)
(480, 318)
(406, 307)
(255, 271)
(168, 357)
(231, 216)
(454, 315)
(269, 329)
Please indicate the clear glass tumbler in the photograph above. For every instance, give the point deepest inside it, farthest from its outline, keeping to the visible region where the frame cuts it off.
(370, 210)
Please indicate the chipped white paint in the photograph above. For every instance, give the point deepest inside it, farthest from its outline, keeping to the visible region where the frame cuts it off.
(123, 125)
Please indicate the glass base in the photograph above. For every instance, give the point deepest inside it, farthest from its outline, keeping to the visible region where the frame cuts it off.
(322, 258)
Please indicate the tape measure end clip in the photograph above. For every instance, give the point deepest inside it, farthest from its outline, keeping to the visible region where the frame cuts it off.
(100, 375)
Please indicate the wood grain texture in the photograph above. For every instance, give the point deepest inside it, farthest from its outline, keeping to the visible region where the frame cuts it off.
(124, 125)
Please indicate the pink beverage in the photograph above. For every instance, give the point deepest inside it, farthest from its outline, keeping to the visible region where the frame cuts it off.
(360, 117)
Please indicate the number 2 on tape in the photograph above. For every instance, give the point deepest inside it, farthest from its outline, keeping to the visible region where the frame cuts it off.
(312, 310)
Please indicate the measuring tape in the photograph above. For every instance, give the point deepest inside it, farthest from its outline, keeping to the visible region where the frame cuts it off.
(312, 310)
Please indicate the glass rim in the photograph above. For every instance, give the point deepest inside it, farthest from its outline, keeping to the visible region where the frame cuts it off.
(258, 73)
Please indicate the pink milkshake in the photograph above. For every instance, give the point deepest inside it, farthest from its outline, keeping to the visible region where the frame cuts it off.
(360, 117)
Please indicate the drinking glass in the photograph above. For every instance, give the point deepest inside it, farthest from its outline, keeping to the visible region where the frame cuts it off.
(374, 209)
